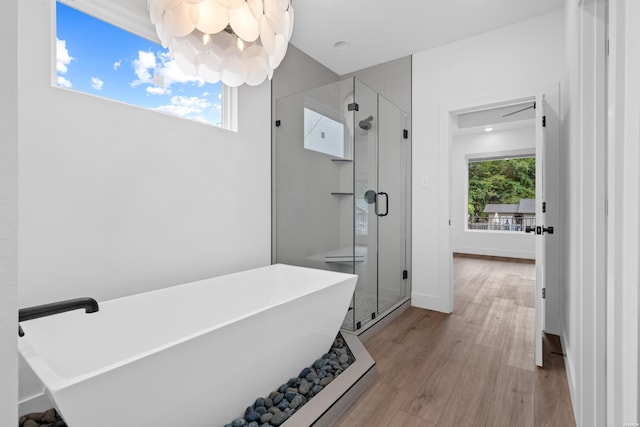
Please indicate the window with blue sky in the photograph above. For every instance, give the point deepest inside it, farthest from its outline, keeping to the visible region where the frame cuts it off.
(98, 58)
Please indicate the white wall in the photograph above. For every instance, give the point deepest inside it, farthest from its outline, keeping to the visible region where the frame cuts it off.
(584, 155)
(527, 55)
(570, 188)
(623, 192)
(390, 79)
(9, 215)
(116, 200)
(477, 145)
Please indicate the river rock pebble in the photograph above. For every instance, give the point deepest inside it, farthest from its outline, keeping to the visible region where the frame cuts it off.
(296, 401)
(252, 416)
(326, 380)
(304, 372)
(304, 387)
(239, 422)
(49, 418)
(278, 398)
(279, 418)
(266, 418)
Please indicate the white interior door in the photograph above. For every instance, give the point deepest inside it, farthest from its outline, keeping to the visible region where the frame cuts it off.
(540, 230)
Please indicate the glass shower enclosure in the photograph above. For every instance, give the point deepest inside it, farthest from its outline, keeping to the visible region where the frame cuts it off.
(341, 179)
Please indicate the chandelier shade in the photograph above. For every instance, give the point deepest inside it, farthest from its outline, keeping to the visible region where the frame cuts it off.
(236, 41)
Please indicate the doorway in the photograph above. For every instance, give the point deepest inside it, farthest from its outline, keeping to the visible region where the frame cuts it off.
(493, 165)
(545, 106)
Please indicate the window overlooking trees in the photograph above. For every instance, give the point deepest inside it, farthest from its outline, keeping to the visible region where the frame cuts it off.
(98, 58)
(501, 194)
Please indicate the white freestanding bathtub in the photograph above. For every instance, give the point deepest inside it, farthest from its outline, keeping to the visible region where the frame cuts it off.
(191, 355)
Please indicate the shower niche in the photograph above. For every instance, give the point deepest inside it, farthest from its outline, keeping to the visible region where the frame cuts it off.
(341, 167)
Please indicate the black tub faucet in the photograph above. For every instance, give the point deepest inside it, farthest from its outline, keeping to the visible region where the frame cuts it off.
(89, 304)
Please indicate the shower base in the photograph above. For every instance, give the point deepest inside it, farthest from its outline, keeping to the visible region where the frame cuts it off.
(365, 305)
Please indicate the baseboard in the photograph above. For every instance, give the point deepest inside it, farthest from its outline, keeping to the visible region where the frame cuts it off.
(490, 252)
(511, 258)
(430, 302)
(569, 367)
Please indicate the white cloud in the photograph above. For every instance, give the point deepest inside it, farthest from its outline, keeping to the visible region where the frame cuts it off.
(63, 59)
(190, 101)
(61, 81)
(184, 105)
(143, 64)
(176, 110)
(117, 65)
(149, 65)
(172, 74)
(96, 83)
(157, 90)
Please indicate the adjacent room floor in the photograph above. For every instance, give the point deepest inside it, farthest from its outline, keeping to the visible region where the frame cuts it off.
(474, 367)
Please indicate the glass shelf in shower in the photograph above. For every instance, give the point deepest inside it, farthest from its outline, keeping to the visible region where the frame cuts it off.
(344, 259)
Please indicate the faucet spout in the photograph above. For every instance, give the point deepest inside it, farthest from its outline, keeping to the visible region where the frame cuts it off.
(89, 304)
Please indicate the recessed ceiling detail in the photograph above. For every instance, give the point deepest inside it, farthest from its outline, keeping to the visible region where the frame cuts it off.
(488, 118)
(341, 45)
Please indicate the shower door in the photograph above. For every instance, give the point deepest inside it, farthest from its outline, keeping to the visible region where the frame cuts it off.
(381, 174)
(393, 168)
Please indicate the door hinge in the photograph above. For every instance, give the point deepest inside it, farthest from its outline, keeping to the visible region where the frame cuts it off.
(405, 274)
(544, 293)
(278, 123)
(405, 133)
(544, 207)
(449, 222)
(353, 107)
(608, 48)
(544, 121)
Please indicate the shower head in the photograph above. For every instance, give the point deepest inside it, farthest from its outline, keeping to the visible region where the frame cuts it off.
(366, 123)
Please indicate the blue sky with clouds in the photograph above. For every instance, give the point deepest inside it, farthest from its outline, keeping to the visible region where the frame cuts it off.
(98, 58)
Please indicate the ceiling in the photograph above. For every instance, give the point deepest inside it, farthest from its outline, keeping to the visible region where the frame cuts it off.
(378, 31)
(501, 117)
(496, 115)
(375, 31)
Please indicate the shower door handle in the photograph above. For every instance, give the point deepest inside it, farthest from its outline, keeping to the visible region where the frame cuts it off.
(386, 199)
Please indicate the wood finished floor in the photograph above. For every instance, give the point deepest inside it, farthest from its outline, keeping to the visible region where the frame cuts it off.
(474, 367)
